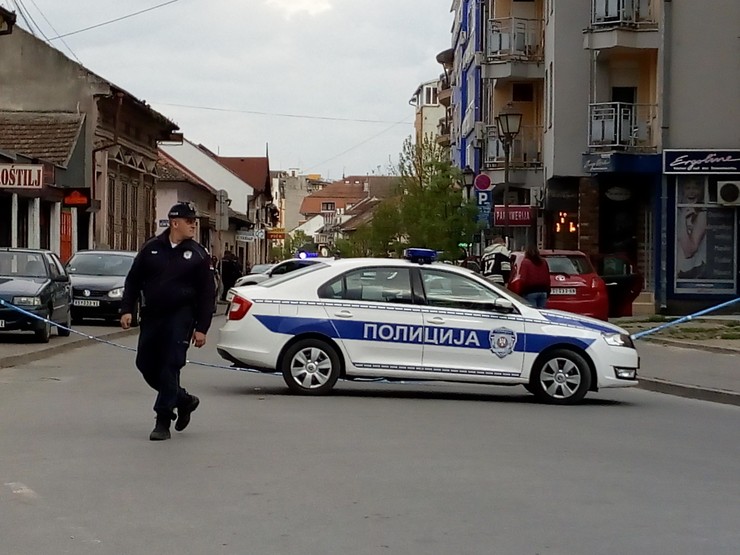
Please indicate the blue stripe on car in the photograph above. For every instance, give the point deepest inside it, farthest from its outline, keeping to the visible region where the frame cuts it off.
(411, 334)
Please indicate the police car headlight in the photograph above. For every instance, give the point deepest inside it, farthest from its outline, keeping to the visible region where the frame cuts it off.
(116, 293)
(27, 301)
(618, 340)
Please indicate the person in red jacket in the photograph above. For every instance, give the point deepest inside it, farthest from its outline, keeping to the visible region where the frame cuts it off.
(535, 278)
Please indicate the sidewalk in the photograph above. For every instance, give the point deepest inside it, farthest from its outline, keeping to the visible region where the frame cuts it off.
(698, 377)
(21, 348)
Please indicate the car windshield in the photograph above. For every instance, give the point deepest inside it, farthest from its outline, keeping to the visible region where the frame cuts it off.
(261, 268)
(569, 264)
(282, 278)
(22, 264)
(100, 264)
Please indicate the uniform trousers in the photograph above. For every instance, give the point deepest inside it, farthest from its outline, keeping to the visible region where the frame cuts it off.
(163, 345)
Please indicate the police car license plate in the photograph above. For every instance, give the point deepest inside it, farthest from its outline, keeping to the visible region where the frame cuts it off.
(563, 291)
(83, 302)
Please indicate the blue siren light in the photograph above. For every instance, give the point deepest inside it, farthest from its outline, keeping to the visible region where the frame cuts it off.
(420, 256)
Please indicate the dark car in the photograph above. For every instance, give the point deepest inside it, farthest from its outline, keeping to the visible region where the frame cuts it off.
(34, 280)
(97, 278)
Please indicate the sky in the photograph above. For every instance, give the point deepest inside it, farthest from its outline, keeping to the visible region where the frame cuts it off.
(348, 59)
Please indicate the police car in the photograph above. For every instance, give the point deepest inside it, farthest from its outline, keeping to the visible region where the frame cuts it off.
(409, 319)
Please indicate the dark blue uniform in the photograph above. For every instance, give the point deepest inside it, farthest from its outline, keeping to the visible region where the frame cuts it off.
(179, 295)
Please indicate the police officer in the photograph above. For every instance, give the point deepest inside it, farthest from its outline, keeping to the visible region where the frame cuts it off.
(174, 274)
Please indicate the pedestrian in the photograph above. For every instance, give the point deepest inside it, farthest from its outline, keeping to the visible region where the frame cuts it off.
(173, 273)
(535, 278)
(216, 277)
(496, 262)
(229, 272)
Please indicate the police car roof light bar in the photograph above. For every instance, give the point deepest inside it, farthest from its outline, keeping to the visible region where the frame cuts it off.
(420, 256)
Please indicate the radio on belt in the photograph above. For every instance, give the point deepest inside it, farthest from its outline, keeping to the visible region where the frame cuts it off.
(420, 256)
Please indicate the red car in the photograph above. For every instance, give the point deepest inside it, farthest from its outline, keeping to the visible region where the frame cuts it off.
(574, 284)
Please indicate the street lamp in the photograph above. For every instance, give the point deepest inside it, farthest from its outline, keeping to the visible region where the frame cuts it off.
(508, 125)
(468, 180)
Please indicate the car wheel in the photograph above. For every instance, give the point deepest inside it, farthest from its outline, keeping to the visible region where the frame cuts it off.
(562, 377)
(67, 324)
(311, 367)
(43, 332)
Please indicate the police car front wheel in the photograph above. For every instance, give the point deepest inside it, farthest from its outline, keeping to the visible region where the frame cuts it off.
(311, 366)
(561, 377)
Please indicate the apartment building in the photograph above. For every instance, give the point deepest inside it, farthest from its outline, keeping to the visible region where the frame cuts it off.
(430, 114)
(629, 146)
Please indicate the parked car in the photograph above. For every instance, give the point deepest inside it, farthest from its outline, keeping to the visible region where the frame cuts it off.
(623, 283)
(574, 284)
(34, 280)
(97, 278)
(283, 267)
(397, 319)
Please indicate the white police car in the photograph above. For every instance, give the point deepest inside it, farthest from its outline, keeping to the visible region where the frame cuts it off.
(406, 320)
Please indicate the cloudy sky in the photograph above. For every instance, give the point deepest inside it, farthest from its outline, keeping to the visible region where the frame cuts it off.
(348, 59)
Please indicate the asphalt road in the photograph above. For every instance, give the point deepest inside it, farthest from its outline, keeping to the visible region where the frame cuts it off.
(374, 468)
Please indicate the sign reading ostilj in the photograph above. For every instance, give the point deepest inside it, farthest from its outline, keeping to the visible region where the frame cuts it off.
(21, 176)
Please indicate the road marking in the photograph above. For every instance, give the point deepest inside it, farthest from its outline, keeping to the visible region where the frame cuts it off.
(22, 490)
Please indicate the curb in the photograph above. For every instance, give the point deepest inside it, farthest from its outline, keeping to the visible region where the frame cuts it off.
(692, 345)
(689, 391)
(25, 358)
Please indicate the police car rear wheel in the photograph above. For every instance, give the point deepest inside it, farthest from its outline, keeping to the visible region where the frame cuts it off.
(562, 377)
(311, 366)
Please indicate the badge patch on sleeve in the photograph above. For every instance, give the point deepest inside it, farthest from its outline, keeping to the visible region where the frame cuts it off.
(503, 341)
(187, 255)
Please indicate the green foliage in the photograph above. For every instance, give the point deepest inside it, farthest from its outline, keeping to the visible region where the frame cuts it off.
(292, 243)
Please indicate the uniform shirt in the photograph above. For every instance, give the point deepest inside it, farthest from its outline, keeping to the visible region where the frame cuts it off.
(171, 278)
(496, 262)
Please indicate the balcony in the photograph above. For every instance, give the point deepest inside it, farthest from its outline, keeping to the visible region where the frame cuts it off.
(444, 94)
(526, 149)
(621, 126)
(443, 133)
(513, 48)
(623, 23)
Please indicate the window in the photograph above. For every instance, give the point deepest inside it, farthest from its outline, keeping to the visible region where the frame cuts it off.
(522, 92)
(327, 206)
(388, 285)
(448, 290)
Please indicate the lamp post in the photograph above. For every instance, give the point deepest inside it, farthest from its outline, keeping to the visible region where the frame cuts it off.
(468, 180)
(508, 125)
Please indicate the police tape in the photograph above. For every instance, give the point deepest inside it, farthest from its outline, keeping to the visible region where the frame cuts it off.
(688, 318)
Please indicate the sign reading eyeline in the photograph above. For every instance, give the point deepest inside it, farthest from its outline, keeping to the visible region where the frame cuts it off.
(701, 161)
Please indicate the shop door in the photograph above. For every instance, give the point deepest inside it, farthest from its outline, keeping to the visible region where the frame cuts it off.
(65, 235)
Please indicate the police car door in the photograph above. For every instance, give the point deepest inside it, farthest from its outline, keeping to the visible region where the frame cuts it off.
(463, 334)
(374, 316)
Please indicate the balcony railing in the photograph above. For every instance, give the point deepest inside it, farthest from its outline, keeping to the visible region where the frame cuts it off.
(514, 38)
(526, 149)
(621, 125)
(617, 13)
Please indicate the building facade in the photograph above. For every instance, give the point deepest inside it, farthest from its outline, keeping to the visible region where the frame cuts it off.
(429, 113)
(623, 151)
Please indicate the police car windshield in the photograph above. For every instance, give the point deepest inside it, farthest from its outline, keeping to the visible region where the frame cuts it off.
(282, 278)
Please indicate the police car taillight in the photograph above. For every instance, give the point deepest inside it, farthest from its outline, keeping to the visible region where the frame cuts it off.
(239, 308)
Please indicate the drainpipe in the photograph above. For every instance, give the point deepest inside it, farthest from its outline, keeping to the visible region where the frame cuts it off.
(665, 65)
(93, 188)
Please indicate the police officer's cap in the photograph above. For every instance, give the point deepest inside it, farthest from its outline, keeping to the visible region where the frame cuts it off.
(182, 210)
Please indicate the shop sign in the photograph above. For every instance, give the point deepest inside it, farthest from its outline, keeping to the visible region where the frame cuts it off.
(164, 223)
(701, 161)
(76, 199)
(598, 163)
(245, 236)
(21, 176)
(276, 234)
(519, 216)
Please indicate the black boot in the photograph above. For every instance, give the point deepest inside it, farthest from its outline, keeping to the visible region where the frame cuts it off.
(184, 411)
(161, 429)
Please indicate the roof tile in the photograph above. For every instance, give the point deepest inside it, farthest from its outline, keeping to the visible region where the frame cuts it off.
(49, 136)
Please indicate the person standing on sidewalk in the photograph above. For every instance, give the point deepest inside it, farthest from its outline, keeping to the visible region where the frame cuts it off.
(535, 276)
(173, 273)
(496, 262)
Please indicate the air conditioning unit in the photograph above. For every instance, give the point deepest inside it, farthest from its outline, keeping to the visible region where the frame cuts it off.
(728, 193)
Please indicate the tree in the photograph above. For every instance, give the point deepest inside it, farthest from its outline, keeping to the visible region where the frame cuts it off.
(292, 243)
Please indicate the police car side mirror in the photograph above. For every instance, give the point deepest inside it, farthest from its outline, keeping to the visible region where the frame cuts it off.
(503, 305)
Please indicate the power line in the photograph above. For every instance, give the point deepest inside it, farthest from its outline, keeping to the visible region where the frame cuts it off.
(23, 16)
(358, 145)
(53, 29)
(276, 114)
(114, 20)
